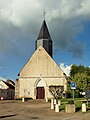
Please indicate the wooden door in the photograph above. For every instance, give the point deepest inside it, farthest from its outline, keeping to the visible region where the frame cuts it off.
(40, 93)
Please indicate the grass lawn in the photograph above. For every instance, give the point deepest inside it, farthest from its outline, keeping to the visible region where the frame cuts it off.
(78, 103)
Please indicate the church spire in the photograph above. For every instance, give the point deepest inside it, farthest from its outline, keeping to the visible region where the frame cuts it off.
(44, 33)
(44, 39)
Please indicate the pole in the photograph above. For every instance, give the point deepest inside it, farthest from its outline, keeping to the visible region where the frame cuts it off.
(87, 102)
(73, 94)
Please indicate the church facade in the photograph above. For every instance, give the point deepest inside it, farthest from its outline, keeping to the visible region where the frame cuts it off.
(40, 71)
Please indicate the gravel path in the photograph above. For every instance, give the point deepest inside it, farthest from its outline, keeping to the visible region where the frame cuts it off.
(35, 110)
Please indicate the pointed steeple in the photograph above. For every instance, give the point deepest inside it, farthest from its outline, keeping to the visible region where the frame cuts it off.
(44, 33)
(44, 39)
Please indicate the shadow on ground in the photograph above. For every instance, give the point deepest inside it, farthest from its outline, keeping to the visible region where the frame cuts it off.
(78, 109)
(5, 116)
(34, 117)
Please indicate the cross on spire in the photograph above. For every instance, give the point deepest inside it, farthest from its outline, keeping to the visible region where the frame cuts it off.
(44, 14)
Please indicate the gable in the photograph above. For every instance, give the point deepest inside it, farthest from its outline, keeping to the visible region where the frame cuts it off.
(3, 85)
(41, 64)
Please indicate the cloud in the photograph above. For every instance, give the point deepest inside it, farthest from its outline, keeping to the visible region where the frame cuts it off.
(65, 68)
(4, 79)
(20, 22)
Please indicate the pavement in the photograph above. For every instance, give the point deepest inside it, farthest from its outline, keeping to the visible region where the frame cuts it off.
(35, 110)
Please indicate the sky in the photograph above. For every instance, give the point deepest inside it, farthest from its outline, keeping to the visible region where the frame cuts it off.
(20, 21)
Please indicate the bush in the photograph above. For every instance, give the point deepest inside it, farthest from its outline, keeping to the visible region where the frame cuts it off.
(56, 91)
(70, 102)
(70, 94)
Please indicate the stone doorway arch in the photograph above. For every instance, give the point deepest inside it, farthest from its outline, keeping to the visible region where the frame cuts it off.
(40, 88)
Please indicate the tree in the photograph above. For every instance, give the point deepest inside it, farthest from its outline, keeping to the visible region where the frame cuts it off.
(77, 69)
(81, 75)
(56, 91)
(73, 70)
(81, 81)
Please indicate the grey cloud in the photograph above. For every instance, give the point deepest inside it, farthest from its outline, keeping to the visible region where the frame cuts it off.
(20, 22)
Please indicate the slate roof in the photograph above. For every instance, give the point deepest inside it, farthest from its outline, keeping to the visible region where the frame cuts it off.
(10, 81)
(44, 32)
(9, 85)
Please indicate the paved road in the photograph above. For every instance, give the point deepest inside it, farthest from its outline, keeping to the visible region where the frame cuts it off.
(35, 110)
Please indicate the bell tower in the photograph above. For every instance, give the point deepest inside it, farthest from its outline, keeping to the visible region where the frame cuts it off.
(44, 39)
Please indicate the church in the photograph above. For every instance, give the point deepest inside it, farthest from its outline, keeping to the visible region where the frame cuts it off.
(40, 71)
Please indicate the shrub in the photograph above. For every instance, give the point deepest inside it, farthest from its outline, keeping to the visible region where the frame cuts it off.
(70, 102)
(56, 91)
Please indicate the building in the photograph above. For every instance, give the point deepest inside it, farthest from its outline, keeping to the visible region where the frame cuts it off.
(40, 71)
(7, 90)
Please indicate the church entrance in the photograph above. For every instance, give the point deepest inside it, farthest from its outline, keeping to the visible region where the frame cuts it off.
(40, 93)
(40, 88)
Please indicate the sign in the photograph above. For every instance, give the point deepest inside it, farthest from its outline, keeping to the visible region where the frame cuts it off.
(73, 85)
